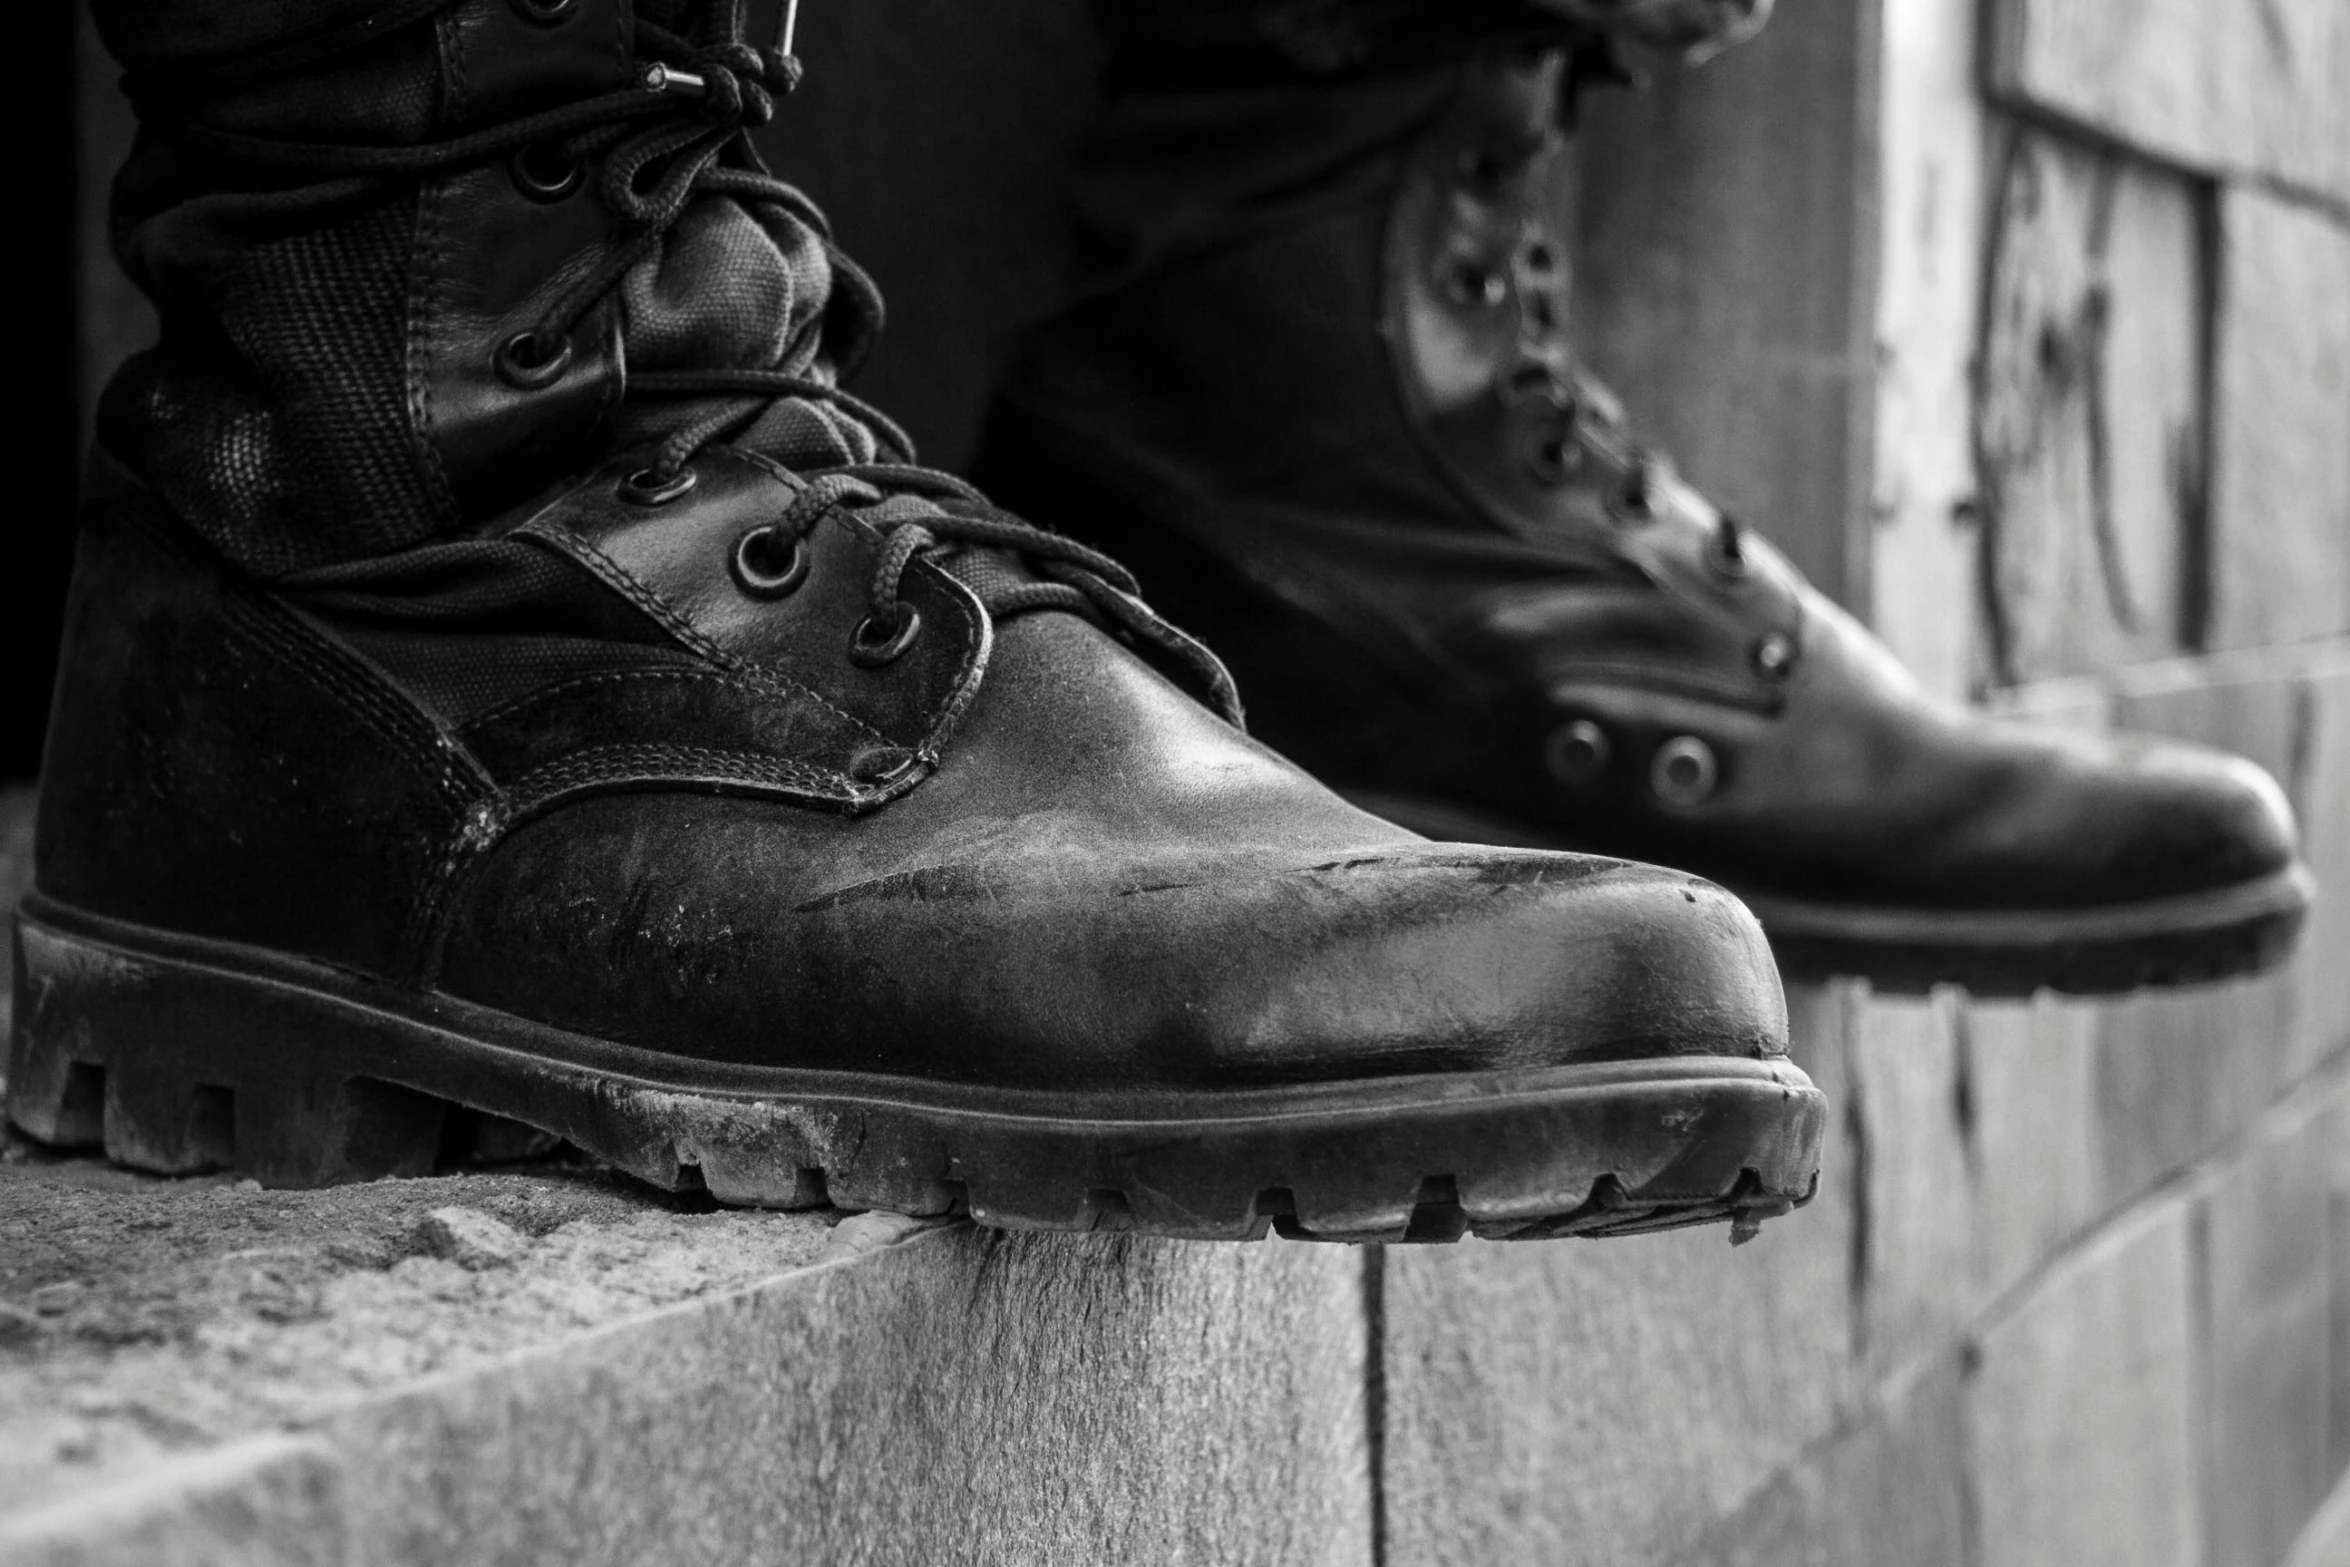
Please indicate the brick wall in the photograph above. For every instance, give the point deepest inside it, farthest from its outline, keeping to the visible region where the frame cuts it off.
(2114, 265)
(2075, 1291)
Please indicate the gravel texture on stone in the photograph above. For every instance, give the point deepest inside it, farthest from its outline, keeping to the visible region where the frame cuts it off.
(141, 1318)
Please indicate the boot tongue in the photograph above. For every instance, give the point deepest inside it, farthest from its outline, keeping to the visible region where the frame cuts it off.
(750, 286)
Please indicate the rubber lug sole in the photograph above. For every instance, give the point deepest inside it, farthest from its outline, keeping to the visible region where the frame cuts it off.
(2108, 950)
(180, 1056)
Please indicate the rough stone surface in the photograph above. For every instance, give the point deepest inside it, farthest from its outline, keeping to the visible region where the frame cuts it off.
(2281, 459)
(2031, 1074)
(2326, 1541)
(564, 1366)
(2250, 86)
(2181, 1070)
(1917, 1230)
(2322, 989)
(2081, 1425)
(1889, 1489)
(968, 1397)
(166, 1317)
(2337, 1241)
(2266, 1307)
(1550, 1403)
(1930, 169)
(2090, 425)
(268, 1502)
(470, 1238)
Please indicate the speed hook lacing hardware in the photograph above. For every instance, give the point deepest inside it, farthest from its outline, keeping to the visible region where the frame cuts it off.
(661, 78)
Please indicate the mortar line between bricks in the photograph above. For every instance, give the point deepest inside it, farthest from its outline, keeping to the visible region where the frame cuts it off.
(2050, 120)
(2224, 666)
(2330, 1078)
(1877, 1398)
(1375, 1394)
(2201, 1440)
(2287, 192)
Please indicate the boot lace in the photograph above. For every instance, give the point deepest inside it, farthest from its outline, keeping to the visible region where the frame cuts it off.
(680, 132)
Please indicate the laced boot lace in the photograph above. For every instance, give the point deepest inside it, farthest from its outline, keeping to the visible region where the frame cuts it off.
(1581, 413)
(681, 131)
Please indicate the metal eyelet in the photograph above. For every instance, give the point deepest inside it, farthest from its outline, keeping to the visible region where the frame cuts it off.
(1774, 655)
(1482, 166)
(1474, 283)
(881, 764)
(647, 488)
(1577, 752)
(758, 573)
(518, 367)
(546, 13)
(1725, 554)
(874, 644)
(1535, 380)
(1632, 503)
(1554, 459)
(538, 183)
(1684, 771)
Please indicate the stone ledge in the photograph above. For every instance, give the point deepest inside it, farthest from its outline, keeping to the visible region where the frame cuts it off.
(141, 1319)
(561, 1365)
(269, 1502)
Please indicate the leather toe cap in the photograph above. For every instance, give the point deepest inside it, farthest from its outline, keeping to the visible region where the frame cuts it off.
(2178, 819)
(1437, 957)
(686, 926)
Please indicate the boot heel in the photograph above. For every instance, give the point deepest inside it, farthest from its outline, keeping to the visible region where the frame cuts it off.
(169, 1125)
(323, 1132)
(177, 1069)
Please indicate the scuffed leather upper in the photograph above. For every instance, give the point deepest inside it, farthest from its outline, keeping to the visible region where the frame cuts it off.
(675, 706)
(600, 786)
(1354, 452)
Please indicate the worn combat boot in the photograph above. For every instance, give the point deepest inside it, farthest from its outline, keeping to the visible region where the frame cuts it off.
(506, 672)
(1320, 395)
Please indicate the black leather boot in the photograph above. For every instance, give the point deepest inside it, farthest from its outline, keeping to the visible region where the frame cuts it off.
(505, 672)
(1325, 405)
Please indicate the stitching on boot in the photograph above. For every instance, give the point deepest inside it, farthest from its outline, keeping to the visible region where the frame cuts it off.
(614, 576)
(426, 291)
(632, 763)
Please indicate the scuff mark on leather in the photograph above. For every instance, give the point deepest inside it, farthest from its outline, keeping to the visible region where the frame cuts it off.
(923, 884)
(1158, 886)
(1528, 870)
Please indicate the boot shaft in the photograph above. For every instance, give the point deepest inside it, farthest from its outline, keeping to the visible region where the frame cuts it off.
(1382, 255)
(359, 346)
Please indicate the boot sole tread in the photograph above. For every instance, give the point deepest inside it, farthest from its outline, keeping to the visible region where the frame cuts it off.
(180, 1056)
